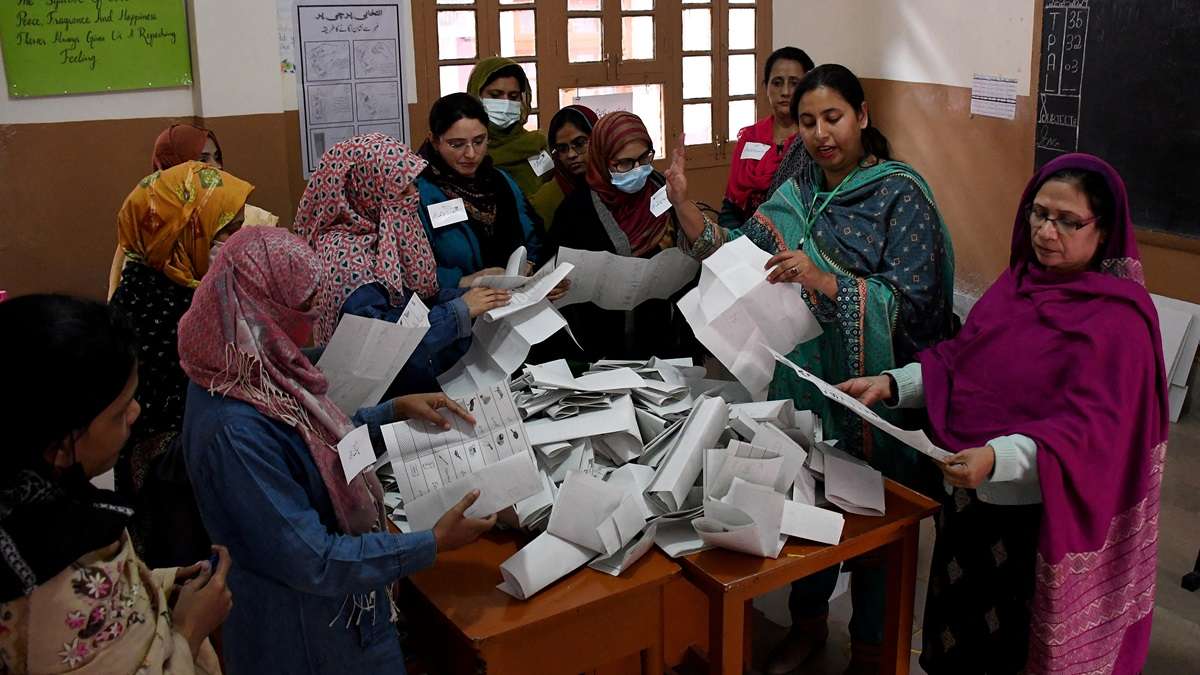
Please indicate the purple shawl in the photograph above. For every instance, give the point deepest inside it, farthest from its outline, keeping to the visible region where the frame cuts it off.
(1075, 363)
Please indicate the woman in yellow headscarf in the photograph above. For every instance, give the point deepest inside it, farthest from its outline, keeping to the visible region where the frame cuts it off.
(169, 228)
(503, 88)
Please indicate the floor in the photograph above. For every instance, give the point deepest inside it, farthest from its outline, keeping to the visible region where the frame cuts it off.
(1175, 641)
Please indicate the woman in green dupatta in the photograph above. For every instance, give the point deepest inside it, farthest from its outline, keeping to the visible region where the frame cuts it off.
(861, 234)
(503, 88)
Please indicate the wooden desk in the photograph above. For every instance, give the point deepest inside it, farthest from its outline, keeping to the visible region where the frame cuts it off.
(731, 579)
(579, 623)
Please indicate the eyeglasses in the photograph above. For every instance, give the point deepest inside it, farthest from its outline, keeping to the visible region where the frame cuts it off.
(1066, 226)
(579, 145)
(623, 165)
(459, 145)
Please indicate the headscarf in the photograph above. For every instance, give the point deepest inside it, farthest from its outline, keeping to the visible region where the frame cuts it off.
(510, 148)
(169, 220)
(632, 211)
(241, 338)
(749, 180)
(181, 143)
(583, 118)
(355, 215)
(1073, 361)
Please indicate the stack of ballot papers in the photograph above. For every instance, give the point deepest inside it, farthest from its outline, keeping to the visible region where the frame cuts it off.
(737, 314)
(605, 463)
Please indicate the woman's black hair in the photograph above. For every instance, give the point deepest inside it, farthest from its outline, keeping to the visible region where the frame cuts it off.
(454, 107)
(846, 84)
(65, 360)
(1095, 188)
(512, 70)
(564, 116)
(786, 54)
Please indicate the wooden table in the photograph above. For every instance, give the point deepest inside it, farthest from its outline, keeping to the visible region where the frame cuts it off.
(579, 623)
(731, 579)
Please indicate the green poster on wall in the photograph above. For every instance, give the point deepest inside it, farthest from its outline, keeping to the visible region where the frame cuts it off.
(75, 46)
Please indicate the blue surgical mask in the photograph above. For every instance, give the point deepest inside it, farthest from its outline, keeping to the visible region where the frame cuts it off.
(633, 180)
(502, 112)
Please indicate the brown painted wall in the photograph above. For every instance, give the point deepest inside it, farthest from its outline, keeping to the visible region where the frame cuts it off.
(63, 184)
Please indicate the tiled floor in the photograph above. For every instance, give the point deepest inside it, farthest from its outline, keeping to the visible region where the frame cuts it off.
(1175, 641)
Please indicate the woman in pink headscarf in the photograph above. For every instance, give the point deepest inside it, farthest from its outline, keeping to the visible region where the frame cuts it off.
(1054, 398)
(313, 558)
(359, 213)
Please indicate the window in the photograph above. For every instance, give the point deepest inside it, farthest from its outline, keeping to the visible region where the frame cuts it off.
(682, 65)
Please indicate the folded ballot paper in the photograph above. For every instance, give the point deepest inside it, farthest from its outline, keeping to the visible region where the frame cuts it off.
(499, 347)
(614, 281)
(513, 276)
(365, 355)
(683, 460)
(737, 314)
(590, 518)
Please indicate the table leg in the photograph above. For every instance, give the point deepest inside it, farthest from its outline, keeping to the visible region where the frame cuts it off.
(653, 662)
(726, 622)
(901, 586)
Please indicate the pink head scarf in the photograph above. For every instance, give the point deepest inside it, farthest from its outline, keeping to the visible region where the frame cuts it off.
(241, 338)
(355, 214)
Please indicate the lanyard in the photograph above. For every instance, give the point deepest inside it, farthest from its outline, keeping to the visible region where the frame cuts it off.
(812, 214)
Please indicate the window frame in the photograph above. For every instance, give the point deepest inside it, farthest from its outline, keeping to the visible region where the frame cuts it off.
(555, 72)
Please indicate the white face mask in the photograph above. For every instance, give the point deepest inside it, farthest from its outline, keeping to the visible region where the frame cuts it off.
(502, 112)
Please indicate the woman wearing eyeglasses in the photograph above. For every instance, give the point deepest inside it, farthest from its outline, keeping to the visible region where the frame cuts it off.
(475, 236)
(613, 214)
(1053, 396)
(569, 134)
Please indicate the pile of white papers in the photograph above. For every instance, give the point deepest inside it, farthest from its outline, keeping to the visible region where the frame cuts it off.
(738, 315)
(605, 464)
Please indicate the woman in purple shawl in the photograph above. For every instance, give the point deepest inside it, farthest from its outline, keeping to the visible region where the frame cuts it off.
(1054, 396)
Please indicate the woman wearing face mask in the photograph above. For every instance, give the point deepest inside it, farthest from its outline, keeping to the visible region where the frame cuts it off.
(613, 214)
(359, 213)
(74, 595)
(170, 228)
(1054, 397)
(570, 129)
(495, 218)
(314, 560)
(503, 88)
(762, 145)
(177, 144)
(860, 235)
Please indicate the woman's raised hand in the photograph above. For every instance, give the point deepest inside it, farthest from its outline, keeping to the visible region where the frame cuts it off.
(676, 175)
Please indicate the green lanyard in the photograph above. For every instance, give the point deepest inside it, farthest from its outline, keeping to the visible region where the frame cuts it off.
(832, 193)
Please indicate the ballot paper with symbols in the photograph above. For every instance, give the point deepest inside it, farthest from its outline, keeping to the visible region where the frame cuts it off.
(612, 281)
(917, 440)
(365, 355)
(738, 315)
(434, 468)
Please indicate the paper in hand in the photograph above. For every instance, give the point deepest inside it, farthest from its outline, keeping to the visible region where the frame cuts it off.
(914, 439)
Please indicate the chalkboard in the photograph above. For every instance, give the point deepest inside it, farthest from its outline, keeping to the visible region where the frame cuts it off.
(1121, 79)
(74, 46)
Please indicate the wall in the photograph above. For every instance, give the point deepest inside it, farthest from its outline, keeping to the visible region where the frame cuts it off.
(69, 161)
(916, 59)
